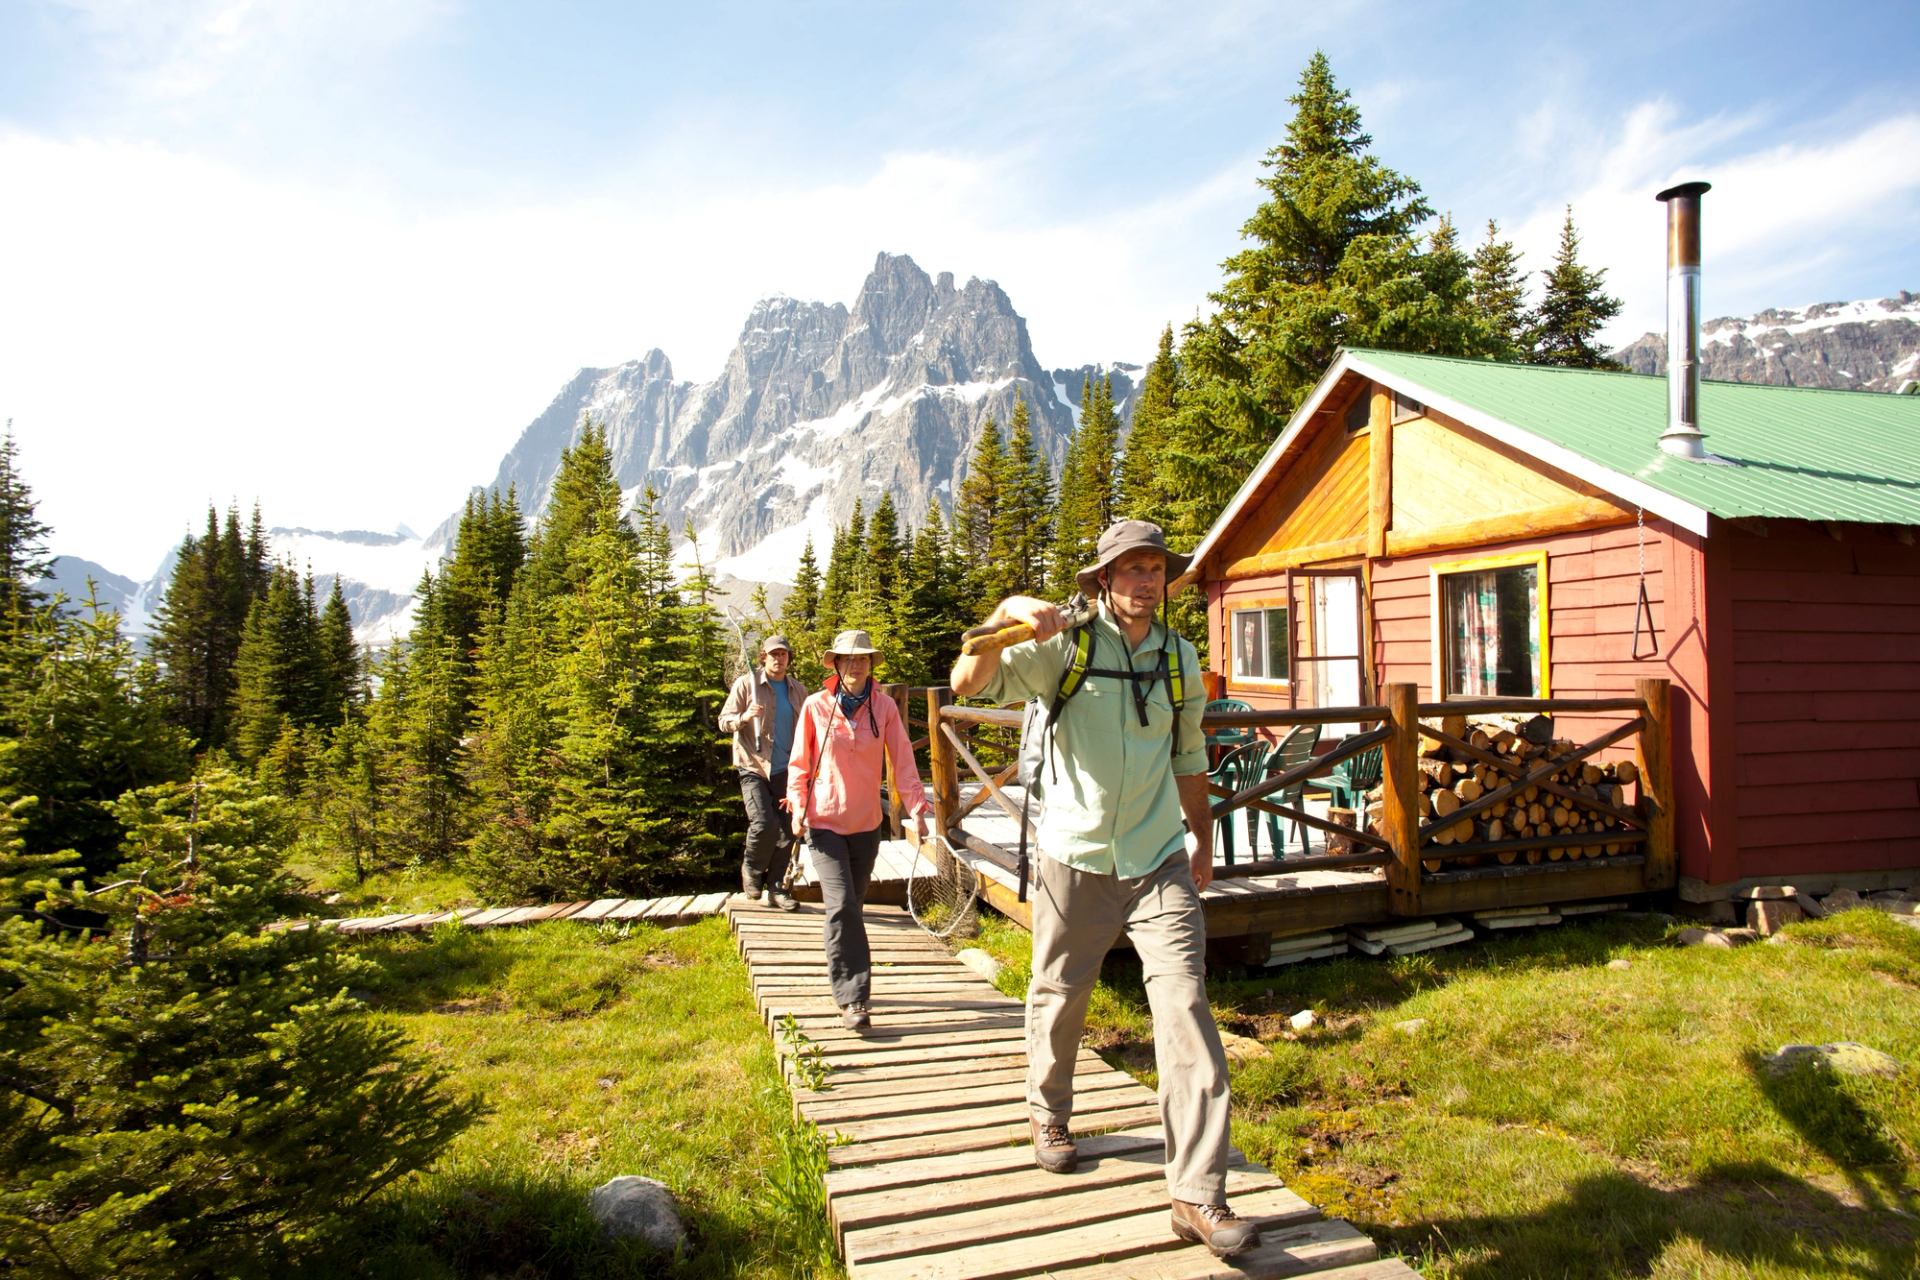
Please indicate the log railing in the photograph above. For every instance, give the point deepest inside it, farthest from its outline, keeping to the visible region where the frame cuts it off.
(1409, 841)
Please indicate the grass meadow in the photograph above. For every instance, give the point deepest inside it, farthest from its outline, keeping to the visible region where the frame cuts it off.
(1553, 1116)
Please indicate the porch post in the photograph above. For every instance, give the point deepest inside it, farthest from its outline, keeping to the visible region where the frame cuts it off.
(1400, 805)
(1655, 752)
(896, 809)
(942, 769)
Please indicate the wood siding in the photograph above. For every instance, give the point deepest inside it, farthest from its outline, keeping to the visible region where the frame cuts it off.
(1826, 675)
(1320, 501)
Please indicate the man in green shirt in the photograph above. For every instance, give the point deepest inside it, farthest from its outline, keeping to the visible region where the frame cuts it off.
(1124, 784)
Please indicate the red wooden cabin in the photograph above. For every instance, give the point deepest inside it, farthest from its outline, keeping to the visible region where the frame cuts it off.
(1481, 529)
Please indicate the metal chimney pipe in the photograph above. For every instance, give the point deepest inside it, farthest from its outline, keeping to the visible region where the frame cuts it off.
(1683, 437)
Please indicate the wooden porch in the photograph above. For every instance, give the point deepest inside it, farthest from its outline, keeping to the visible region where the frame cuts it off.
(1409, 863)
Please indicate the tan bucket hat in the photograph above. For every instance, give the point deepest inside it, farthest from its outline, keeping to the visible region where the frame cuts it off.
(1121, 537)
(851, 644)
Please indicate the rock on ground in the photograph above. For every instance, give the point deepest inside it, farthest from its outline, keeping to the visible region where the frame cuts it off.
(636, 1208)
(1844, 1056)
(981, 963)
(1241, 1049)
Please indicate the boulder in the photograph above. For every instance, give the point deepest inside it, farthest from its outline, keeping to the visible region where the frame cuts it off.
(1703, 938)
(1840, 900)
(635, 1208)
(1241, 1049)
(1846, 1057)
(1810, 906)
(1619, 965)
(981, 963)
(1411, 1027)
(1303, 1020)
(1894, 902)
(1769, 916)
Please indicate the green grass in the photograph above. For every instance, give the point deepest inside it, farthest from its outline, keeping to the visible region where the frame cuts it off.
(1560, 1118)
(385, 891)
(602, 1050)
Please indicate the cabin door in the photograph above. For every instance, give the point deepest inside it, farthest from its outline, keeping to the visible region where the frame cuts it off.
(1326, 641)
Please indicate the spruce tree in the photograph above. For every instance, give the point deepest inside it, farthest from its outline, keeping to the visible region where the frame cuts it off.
(1086, 504)
(976, 516)
(1332, 259)
(1023, 527)
(800, 611)
(200, 624)
(1499, 295)
(882, 582)
(338, 682)
(184, 1092)
(277, 673)
(23, 541)
(1142, 494)
(1573, 310)
(83, 726)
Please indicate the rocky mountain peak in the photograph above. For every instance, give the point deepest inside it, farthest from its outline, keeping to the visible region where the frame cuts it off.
(1869, 345)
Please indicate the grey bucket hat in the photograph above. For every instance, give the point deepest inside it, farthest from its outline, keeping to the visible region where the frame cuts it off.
(774, 641)
(1121, 537)
(851, 644)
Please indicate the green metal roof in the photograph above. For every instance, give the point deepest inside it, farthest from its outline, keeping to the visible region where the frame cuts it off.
(1788, 452)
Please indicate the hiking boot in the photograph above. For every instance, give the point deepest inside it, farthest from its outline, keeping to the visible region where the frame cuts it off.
(1215, 1226)
(783, 900)
(749, 888)
(1053, 1148)
(855, 1015)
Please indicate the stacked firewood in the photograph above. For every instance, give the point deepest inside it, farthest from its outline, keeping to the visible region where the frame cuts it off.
(1451, 779)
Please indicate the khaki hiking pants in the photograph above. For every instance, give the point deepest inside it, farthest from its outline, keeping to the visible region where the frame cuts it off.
(1077, 916)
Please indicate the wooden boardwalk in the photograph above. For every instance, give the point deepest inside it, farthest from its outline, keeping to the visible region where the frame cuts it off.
(932, 1177)
(675, 909)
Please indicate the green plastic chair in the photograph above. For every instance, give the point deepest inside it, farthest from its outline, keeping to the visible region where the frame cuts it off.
(1294, 750)
(1347, 786)
(1239, 769)
(1221, 741)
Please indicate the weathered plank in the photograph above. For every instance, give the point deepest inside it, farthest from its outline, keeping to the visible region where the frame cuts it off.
(949, 1168)
(1070, 1206)
(1307, 1246)
(933, 1144)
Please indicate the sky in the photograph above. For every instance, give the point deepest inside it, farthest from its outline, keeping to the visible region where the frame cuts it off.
(332, 256)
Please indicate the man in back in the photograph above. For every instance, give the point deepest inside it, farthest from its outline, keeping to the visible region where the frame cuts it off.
(1123, 768)
(759, 712)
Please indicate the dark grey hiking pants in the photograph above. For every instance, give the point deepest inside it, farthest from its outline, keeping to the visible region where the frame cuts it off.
(769, 835)
(844, 865)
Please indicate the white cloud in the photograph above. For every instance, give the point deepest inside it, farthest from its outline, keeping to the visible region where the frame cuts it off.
(179, 331)
(1781, 216)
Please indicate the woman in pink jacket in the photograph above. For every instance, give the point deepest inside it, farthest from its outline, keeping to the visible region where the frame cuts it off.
(833, 792)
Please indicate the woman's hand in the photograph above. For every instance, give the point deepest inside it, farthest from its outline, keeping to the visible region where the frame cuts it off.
(799, 826)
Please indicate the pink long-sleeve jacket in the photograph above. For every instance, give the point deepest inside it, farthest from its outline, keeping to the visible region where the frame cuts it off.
(833, 777)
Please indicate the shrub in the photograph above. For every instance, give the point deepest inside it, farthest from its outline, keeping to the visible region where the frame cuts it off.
(183, 1091)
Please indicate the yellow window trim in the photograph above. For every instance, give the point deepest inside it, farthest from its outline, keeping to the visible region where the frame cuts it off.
(1245, 606)
(1512, 560)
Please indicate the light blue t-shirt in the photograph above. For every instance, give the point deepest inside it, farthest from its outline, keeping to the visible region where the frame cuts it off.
(782, 727)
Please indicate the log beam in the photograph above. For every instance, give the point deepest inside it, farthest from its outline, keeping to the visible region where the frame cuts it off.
(1535, 522)
(1400, 805)
(1655, 759)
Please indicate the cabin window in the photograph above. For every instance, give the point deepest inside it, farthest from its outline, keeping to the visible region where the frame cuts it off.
(1406, 407)
(1493, 639)
(1260, 642)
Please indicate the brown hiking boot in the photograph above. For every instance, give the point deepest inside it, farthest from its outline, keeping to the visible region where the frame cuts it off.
(1215, 1226)
(1053, 1148)
(855, 1016)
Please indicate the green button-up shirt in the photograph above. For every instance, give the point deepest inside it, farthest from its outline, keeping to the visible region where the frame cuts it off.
(1111, 804)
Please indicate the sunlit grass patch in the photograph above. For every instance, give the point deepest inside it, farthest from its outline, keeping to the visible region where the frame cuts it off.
(602, 1052)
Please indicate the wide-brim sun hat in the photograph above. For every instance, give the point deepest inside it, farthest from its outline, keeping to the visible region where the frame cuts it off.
(1121, 537)
(852, 644)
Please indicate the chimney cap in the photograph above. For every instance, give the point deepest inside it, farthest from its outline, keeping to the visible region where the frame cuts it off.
(1685, 189)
